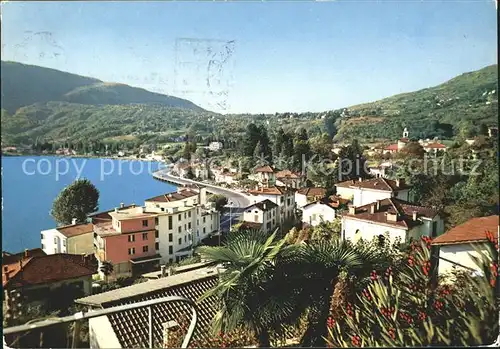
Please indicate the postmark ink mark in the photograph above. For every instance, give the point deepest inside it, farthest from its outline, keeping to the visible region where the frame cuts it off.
(204, 67)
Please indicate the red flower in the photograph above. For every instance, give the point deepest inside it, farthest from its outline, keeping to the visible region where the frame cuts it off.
(422, 316)
(356, 340)
(392, 333)
(373, 275)
(330, 323)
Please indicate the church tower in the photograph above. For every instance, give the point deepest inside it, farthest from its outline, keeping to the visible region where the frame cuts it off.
(405, 133)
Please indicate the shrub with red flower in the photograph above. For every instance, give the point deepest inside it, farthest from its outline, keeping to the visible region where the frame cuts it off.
(404, 309)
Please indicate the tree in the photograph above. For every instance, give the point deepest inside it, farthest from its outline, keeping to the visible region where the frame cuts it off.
(352, 162)
(189, 173)
(75, 201)
(245, 290)
(219, 200)
(107, 269)
(413, 149)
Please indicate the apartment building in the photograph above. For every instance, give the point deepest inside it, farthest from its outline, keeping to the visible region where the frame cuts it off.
(183, 219)
(262, 215)
(366, 191)
(73, 238)
(126, 237)
(284, 197)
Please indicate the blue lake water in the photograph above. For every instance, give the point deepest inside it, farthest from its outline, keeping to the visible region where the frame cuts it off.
(31, 183)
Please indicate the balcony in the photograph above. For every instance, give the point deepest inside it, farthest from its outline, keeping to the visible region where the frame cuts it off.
(85, 316)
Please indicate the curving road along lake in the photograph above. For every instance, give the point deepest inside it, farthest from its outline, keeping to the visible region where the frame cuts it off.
(31, 183)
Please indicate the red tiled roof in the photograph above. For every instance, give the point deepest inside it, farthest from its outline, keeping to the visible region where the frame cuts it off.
(392, 147)
(474, 230)
(402, 208)
(435, 146)
(287, 174)
(265, 168)
(75, 230)
(10, 258)
(275, 190)
(312, 192)
(174, 196)
(375, 184)
(45, 269)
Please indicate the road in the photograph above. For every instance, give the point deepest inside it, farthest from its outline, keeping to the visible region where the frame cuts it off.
(239, 200)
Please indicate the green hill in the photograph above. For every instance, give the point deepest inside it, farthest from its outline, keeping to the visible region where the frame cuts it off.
(23, 85)
(459, 104)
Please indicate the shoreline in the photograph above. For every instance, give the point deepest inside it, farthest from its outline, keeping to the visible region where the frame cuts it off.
(85, 157)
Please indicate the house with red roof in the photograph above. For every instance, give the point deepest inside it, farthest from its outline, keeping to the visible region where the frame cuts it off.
(429, 146)
(322, 210)
(458, 244)
(303, 196)
(73, 238)
(395, 217)
(284, 197)
(290, 179)
(265, 175)
(365, 191)
(31, 276)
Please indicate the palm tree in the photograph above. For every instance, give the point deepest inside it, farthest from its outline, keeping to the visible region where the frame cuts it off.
(324, 269)
(107, 269)
(247, 291)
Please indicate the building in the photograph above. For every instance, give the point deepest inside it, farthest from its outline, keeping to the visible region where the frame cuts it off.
(429, 146)
(183, 219)
(282, 196)
(264, 215)
(226, 176)
(433, 146)
(365, 191)
(215, 146)
(458, 244)
(73, 238)
(323, 210)
(129, 329)
(398, 218)
(287, 178)
(127, 238)
(304, 196)
(28, 278)
(383, 169)
(265, 175)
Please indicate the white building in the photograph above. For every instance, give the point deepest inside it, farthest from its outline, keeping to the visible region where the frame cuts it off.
(393, 216)
(457, 245)
(319, 211)
(366, 191)
(184, 219)
(263, 215)
(304, 196)
(265, 175)
(281, 196)
(287, 178)
(215, 146)
(73, 239)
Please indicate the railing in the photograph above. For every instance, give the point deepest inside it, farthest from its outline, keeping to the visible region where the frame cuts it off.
(113, 310)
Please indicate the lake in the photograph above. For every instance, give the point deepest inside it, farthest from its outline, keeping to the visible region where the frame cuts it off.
(31, 183)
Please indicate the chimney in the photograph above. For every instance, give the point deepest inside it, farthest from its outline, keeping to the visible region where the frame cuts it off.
(414, 215)
(122, 205)
(352, 209)
(163, 269)
(372, 208)
(392, 217)
(116, 209)
(378, 205)
(73, 221)
(26, 253)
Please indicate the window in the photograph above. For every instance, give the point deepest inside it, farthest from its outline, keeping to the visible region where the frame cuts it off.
(180, 241)
(170, 223)
(163, 209)
(204, 219)
(204, 230)
(157, 234)
(288, 202)
(131, 238)
(189, 214)
(157, 246)
(185, 215)
(64, 242)
(144, 236)
(43, 247)
(189, 225)
(156, 220)
(131, 251)
(180, 217)
(180, 229)
(185, 226)
(42, 235)
(198, 234)
(434, 229)
(185, 238)
(170, 237)
(170, 249)
(144, 248)
(145, 223)
(190, 237)
(282, 199)
(256, 218)
(55, 240)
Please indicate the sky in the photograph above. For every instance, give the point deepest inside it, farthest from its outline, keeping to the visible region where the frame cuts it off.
(258, 57)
